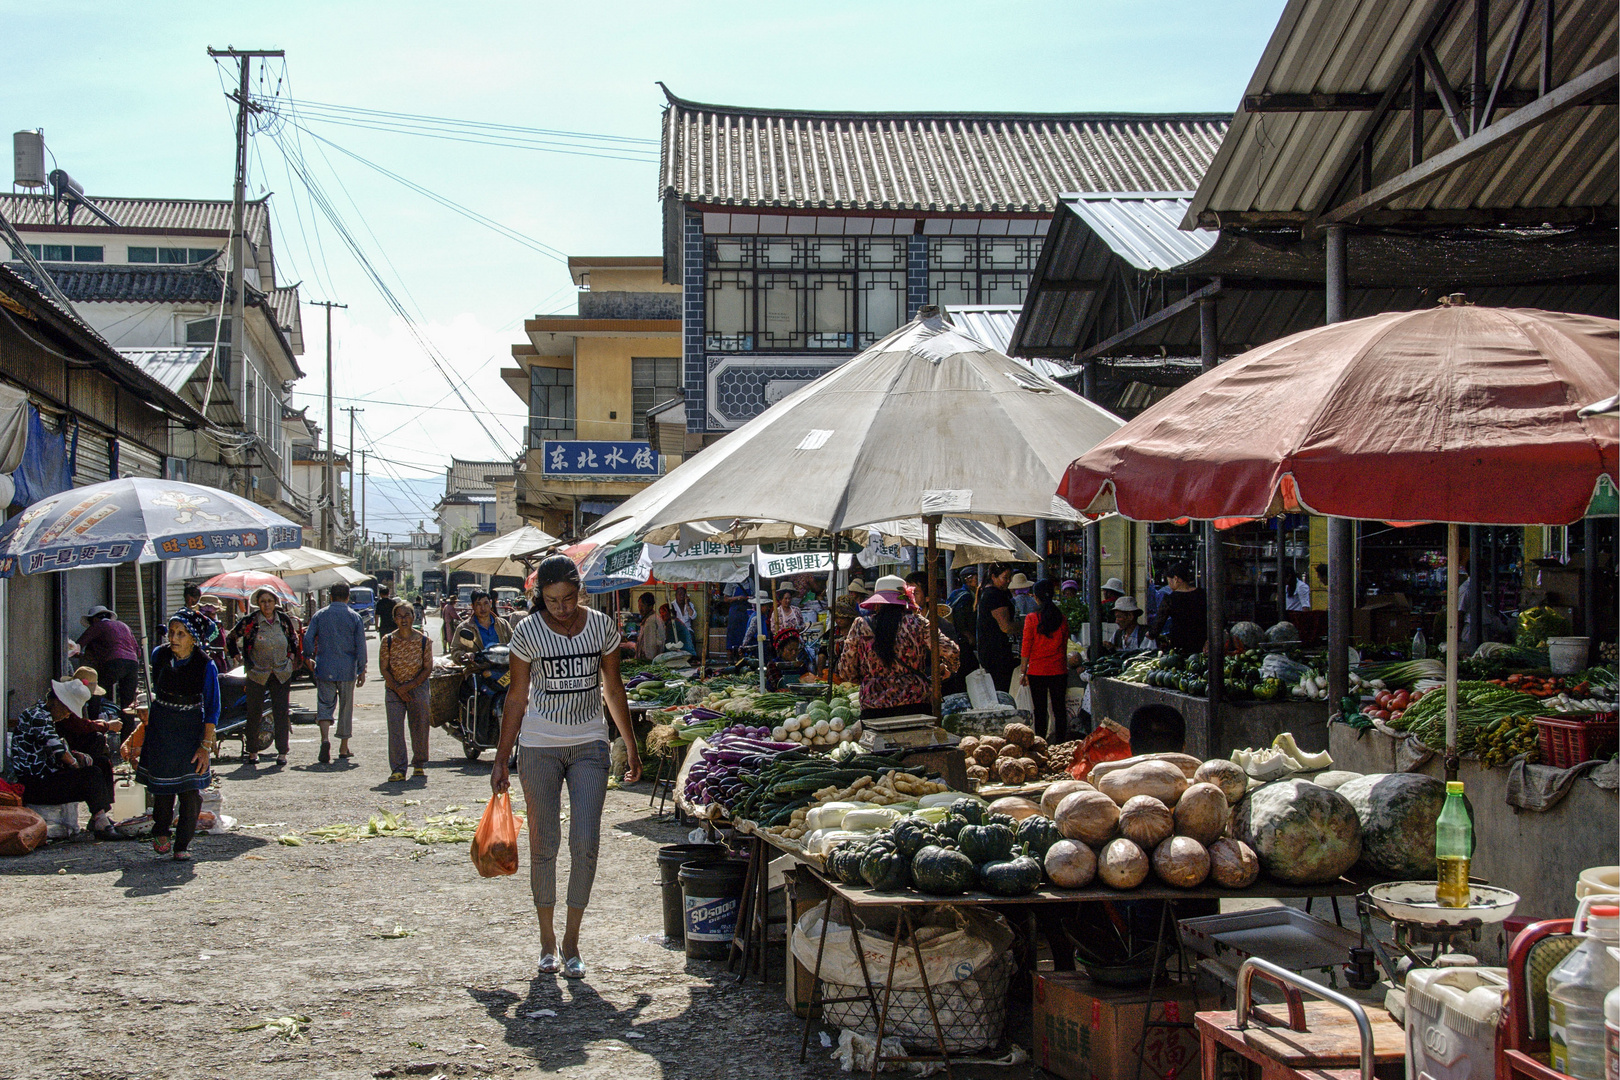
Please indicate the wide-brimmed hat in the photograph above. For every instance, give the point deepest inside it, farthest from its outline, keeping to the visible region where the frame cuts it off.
(1019, 581)
(846, 607)
(95, 613)
(859, 588)
(72, 693)
(1113, 584)
(1127, 603)
(210, 600)
(263, 590)
(890, 589)
(88, 676)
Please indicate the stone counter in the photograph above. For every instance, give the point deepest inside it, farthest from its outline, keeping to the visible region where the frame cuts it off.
(1239, 724)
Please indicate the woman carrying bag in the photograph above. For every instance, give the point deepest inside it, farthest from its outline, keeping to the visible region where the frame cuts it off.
(887, 653)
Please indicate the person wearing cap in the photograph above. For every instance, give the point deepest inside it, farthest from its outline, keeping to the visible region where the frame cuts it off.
(88, 733)
(108, 646)
(1131, 635)
(1024, 604)
(1186, 612)
(172, 748)
(965, 619)
(567, 657)
(993, 633)
(50, 771)
(887, 652)
(270, 645)
(1070, 589)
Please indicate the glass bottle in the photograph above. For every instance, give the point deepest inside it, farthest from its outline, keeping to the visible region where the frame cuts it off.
(1420, 645)
(1453, 848)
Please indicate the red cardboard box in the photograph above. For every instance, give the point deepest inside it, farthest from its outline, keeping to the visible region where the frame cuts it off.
(1085, 1031)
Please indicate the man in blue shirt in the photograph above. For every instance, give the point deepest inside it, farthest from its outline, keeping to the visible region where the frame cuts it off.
(335, 644)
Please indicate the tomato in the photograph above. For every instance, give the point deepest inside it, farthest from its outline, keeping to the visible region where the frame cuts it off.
(1395, 715)
(1379, 714)
(1381, 699)
(1401, 700)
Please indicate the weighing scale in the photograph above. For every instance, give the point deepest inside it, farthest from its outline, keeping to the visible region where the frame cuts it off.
(1421, 924)
(903, 732)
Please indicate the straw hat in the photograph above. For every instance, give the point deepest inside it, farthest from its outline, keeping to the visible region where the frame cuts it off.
(859, 588)
(1127, 603)
(1114, 585)
(95, 613)
(1019, 581)
(72, 693)
(87, 675)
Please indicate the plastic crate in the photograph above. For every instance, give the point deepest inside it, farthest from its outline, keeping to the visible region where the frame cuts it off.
(1566, 741)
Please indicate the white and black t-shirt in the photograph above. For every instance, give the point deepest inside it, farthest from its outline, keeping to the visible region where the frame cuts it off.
(565, 680)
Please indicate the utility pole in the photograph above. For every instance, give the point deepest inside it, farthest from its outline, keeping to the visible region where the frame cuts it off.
(329, 473)
(364, 535)
(351, 410)
(244, 61)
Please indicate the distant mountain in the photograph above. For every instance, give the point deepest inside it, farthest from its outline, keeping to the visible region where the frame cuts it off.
(398, 507)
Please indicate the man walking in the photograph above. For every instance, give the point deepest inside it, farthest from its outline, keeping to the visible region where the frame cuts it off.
(336, 644)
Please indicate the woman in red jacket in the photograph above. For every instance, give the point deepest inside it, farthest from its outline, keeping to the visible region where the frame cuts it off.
(1046, 662)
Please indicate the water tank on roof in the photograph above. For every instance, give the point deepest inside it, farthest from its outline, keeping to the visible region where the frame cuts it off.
(28, 149)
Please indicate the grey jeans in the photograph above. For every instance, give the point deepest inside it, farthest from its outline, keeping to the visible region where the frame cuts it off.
(542, 772)
(410, 711)
(335, 697)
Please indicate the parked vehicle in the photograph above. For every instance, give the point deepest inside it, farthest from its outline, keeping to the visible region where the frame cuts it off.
(364, 600)
(483, 696)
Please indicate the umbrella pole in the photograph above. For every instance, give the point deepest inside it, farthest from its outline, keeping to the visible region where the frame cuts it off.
(828, 643)
(146, 653)
(761, 630)
(1451, 651)
(932, 521)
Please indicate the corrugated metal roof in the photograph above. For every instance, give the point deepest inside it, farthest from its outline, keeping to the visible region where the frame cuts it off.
(938, 162)
(993, 325)
(1144, 229)
(172, 365)
(149, 215)
(1284, 165)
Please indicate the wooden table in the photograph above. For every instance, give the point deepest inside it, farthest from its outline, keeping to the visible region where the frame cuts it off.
(1328, 1048)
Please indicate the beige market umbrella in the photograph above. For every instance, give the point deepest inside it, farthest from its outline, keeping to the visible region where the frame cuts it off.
(505, 554)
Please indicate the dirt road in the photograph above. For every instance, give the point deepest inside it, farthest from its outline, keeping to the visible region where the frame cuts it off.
(122, 965)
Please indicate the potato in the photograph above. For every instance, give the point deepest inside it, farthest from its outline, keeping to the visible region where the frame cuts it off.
(1233, 864)
(1201, 813)
(968, 744)
(994, 742)
(984, 753)
(1145, 821)
(1185, 762)
(1226, 775)
(1010, 750)
(979, 773)
(1020, 735)
(1015, 807)
(1009, 771)
(1160, 779)
(1037, 748)
(1070, 864)
(1087, 816)
(1181, 861)
(1122, 865)
(1056, 791)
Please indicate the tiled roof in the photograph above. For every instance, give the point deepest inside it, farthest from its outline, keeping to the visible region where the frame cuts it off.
(941, 162)
(468, 477)
(115, 283)
(149, 215)
(283, 304)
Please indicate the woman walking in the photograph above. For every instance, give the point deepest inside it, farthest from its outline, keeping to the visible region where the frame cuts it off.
(270, 644)
(1045, 651)
(177, 736)
(887, 653)
(568, 657)
(406, 659)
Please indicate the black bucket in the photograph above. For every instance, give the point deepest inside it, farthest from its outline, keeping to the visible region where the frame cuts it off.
(711, 893)
(670, 859)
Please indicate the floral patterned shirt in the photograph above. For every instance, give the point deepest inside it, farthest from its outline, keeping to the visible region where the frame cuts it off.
(909, 681)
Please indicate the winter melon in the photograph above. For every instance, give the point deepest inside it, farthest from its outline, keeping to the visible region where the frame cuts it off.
(1397, 812)
(1303, 834)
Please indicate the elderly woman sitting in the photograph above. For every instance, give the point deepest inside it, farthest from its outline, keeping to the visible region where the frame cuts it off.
(51, 772)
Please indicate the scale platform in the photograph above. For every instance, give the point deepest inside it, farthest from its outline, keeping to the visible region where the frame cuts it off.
(907, 732)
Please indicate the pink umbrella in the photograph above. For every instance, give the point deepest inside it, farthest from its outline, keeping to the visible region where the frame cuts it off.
(242, 584)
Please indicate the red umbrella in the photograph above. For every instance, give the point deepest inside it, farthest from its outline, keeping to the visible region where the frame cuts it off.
(242, 584)
(1453, 414)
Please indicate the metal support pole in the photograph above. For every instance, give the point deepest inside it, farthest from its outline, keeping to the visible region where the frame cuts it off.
(1549, 20)
(329, 486)
(1481, 74)
(1589, 570)
(1282, 562)
(936, 694)
(1341, 531)
(1209, 349)
(1094, 588)
(1040, 548)
(1476, 597)
(1451, 650)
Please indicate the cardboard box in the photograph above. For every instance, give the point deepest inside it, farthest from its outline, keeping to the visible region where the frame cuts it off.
(1383, 620)
(1085, 1031)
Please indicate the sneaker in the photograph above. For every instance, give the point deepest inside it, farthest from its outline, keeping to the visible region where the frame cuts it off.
(420, 773)
(396, 777)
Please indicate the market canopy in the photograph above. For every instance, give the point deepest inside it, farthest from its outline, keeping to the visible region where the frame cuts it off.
(1453, 414)
(287, 563)
(928, 421)
(504, 555)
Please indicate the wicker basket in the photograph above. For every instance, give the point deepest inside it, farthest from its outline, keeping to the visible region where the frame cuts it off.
(972, 1012)
(444, 693)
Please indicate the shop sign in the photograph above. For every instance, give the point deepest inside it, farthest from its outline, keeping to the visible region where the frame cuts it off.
(594, 458)
(808, 544)
(774, 566)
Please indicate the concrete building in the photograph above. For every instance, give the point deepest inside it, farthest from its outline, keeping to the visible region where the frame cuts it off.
(466, 511)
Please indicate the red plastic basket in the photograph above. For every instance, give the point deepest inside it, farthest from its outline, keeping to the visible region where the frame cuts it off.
(1567, 741)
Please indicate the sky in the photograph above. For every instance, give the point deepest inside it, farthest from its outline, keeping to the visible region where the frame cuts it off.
(132, 105)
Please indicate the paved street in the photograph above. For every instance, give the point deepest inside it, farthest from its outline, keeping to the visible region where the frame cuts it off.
(122, 965)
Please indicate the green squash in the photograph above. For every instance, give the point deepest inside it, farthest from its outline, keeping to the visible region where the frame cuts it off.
(1038, 833)
(884, 868)
(911, 835)
(952, 827)
(1017, 876)
(972, 809)
(942, 872)
(1002, 819)
(844, 863)
(986, 843)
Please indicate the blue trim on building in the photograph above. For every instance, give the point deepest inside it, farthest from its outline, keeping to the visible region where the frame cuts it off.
(693, 323)
(916, 274)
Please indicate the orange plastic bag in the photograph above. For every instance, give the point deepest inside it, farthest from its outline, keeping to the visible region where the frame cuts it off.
(1109, 742)
(495, 841)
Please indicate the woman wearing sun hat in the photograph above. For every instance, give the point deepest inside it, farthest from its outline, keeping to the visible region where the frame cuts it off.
(887, 653)
(270, 644)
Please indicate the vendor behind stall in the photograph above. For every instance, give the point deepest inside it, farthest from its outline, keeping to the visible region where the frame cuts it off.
(1130, 635)
(887, 652)
(1181, 620)
(651, 632)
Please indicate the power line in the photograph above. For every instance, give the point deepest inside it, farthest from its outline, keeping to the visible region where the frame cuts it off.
(405, 404)
(326, 106)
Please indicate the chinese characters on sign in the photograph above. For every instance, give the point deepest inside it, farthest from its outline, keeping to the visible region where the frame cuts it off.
(774, 566)
(579, 458)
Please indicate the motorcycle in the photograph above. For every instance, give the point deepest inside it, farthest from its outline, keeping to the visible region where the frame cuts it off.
(233, 712)
(483, 697)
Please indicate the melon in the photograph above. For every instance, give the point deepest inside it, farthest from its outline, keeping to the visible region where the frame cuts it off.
(1056, 792)
(1226, 775)
(1161, 779)
(1397, 812)
(1232, 864)
(1070, 864)
(1122, 864)
(1303, 834)
(1087, 816)
(1145, 821)
(1014, 807)
(1334, 778)
(1201, 813)
(1181, 861)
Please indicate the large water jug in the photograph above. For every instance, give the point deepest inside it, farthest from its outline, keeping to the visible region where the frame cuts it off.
(1576, 989)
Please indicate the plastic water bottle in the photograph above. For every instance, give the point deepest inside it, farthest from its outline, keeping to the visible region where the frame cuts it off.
(1420, 645)
(1453, 848)
(1611, 1027)
(1577, 990)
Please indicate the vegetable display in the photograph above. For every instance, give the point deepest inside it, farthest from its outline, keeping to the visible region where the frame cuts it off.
(1479, 706)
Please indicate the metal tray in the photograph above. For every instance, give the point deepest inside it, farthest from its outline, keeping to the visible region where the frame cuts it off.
(1284, 935)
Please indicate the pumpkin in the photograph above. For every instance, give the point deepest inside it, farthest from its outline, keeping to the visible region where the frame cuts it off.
(942, 872)
(1232, 864)
(1160, 779)
(1055, 792)
(1017, 876)
(951, 827)
(1014, 807)
(992, 818)
(1020, 735)
(1122, 864)
(1185, 762)
(1201, 813)
(1181, 861)
(1397, 812)
(1145, 821)
(1070, 864)
(972, 809)
(911, 835)
(1087, 816)
(844, 863)
(884, 868)
(1226, 775)
(985, 843)
(1303, 834)
(1038, 833)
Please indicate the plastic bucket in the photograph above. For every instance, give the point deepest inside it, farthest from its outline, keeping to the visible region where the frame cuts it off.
(670, 859)
(1567, 655)
(711, 893)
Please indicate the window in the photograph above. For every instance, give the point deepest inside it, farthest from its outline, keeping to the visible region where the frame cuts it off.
(551, 404)
(653, 381)
(170, 256)
(201, 332)
(980, 269)
(142, 254)
(770, 294)
(66, 252)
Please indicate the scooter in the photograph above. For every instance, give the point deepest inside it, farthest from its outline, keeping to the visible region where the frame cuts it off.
(483, 697)
(233, 712)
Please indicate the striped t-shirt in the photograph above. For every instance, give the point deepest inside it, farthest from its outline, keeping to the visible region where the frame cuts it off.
(565, 680)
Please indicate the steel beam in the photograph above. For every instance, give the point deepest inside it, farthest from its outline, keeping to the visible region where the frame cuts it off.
(1448, 97)
(1141, 327)
(1506, 69)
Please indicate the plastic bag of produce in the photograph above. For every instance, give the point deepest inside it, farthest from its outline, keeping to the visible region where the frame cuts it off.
(1278, 666)
(955, 943)
(494, 843)
(21, 830)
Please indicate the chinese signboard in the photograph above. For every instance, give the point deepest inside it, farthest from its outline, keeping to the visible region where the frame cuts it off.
(774, 566)
(585, 458)
(804, 544)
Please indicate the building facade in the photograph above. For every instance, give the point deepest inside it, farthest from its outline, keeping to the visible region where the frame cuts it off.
(466, 511)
